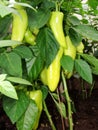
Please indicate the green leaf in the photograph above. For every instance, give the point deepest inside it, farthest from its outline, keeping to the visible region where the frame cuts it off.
(93, 3)
(34, 67)
(6, 43)
(35, 50)
(55, 96)
(95, 70)
(4, 26)
(35, 64)
(67, 63)
(75, 37)
(93, 61)
(47, 44)
(8, 89)
(15, 108)
(62, 109)
(60, 106)
(29, 118)
(23, 51)
(45, 51)
(35, 3)
(38, 19)
(95, 12)
(96, 53)
(48, 4)
(44, 90)
(84, 70)
(19, 80)
(87, 31)
(11, 63)
(73, 20)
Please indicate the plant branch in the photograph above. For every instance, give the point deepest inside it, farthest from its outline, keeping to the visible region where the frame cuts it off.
(68, 103)
(49, 116)
(91, 88)
(63, 127)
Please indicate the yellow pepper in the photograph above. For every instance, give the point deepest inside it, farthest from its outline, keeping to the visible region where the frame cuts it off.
(56, 25)
(70, 51)
(50, 76)
(19, 24)
(29, 37)
(80, 48)
(36, 95)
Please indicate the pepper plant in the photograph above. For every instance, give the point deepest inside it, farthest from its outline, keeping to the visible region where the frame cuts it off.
(42, 45)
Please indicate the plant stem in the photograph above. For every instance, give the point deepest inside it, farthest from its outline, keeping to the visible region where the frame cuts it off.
(91, 89)
(63, 127)
(56, 4)
(49, 116)
(84, 92)
(68, 103)
(82, 86)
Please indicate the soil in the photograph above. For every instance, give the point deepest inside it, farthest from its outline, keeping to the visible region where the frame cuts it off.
(85, 117)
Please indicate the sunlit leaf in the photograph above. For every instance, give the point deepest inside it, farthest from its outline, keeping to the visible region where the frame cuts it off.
(8, 89)
(5, 10)
(2, 77)
(19, 80)
(6, 43)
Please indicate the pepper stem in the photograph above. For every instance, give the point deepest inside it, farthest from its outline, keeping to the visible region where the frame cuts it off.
(58, 4)
(68, 103)
(49, 116)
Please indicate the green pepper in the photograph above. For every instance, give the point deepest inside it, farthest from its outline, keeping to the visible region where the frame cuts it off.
(36, 95)
(70, 51)
(50, 76)
(19, 24)
(56, 25)
(29, 37)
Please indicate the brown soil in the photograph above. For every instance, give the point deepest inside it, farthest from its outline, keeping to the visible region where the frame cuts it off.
(85, 118)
